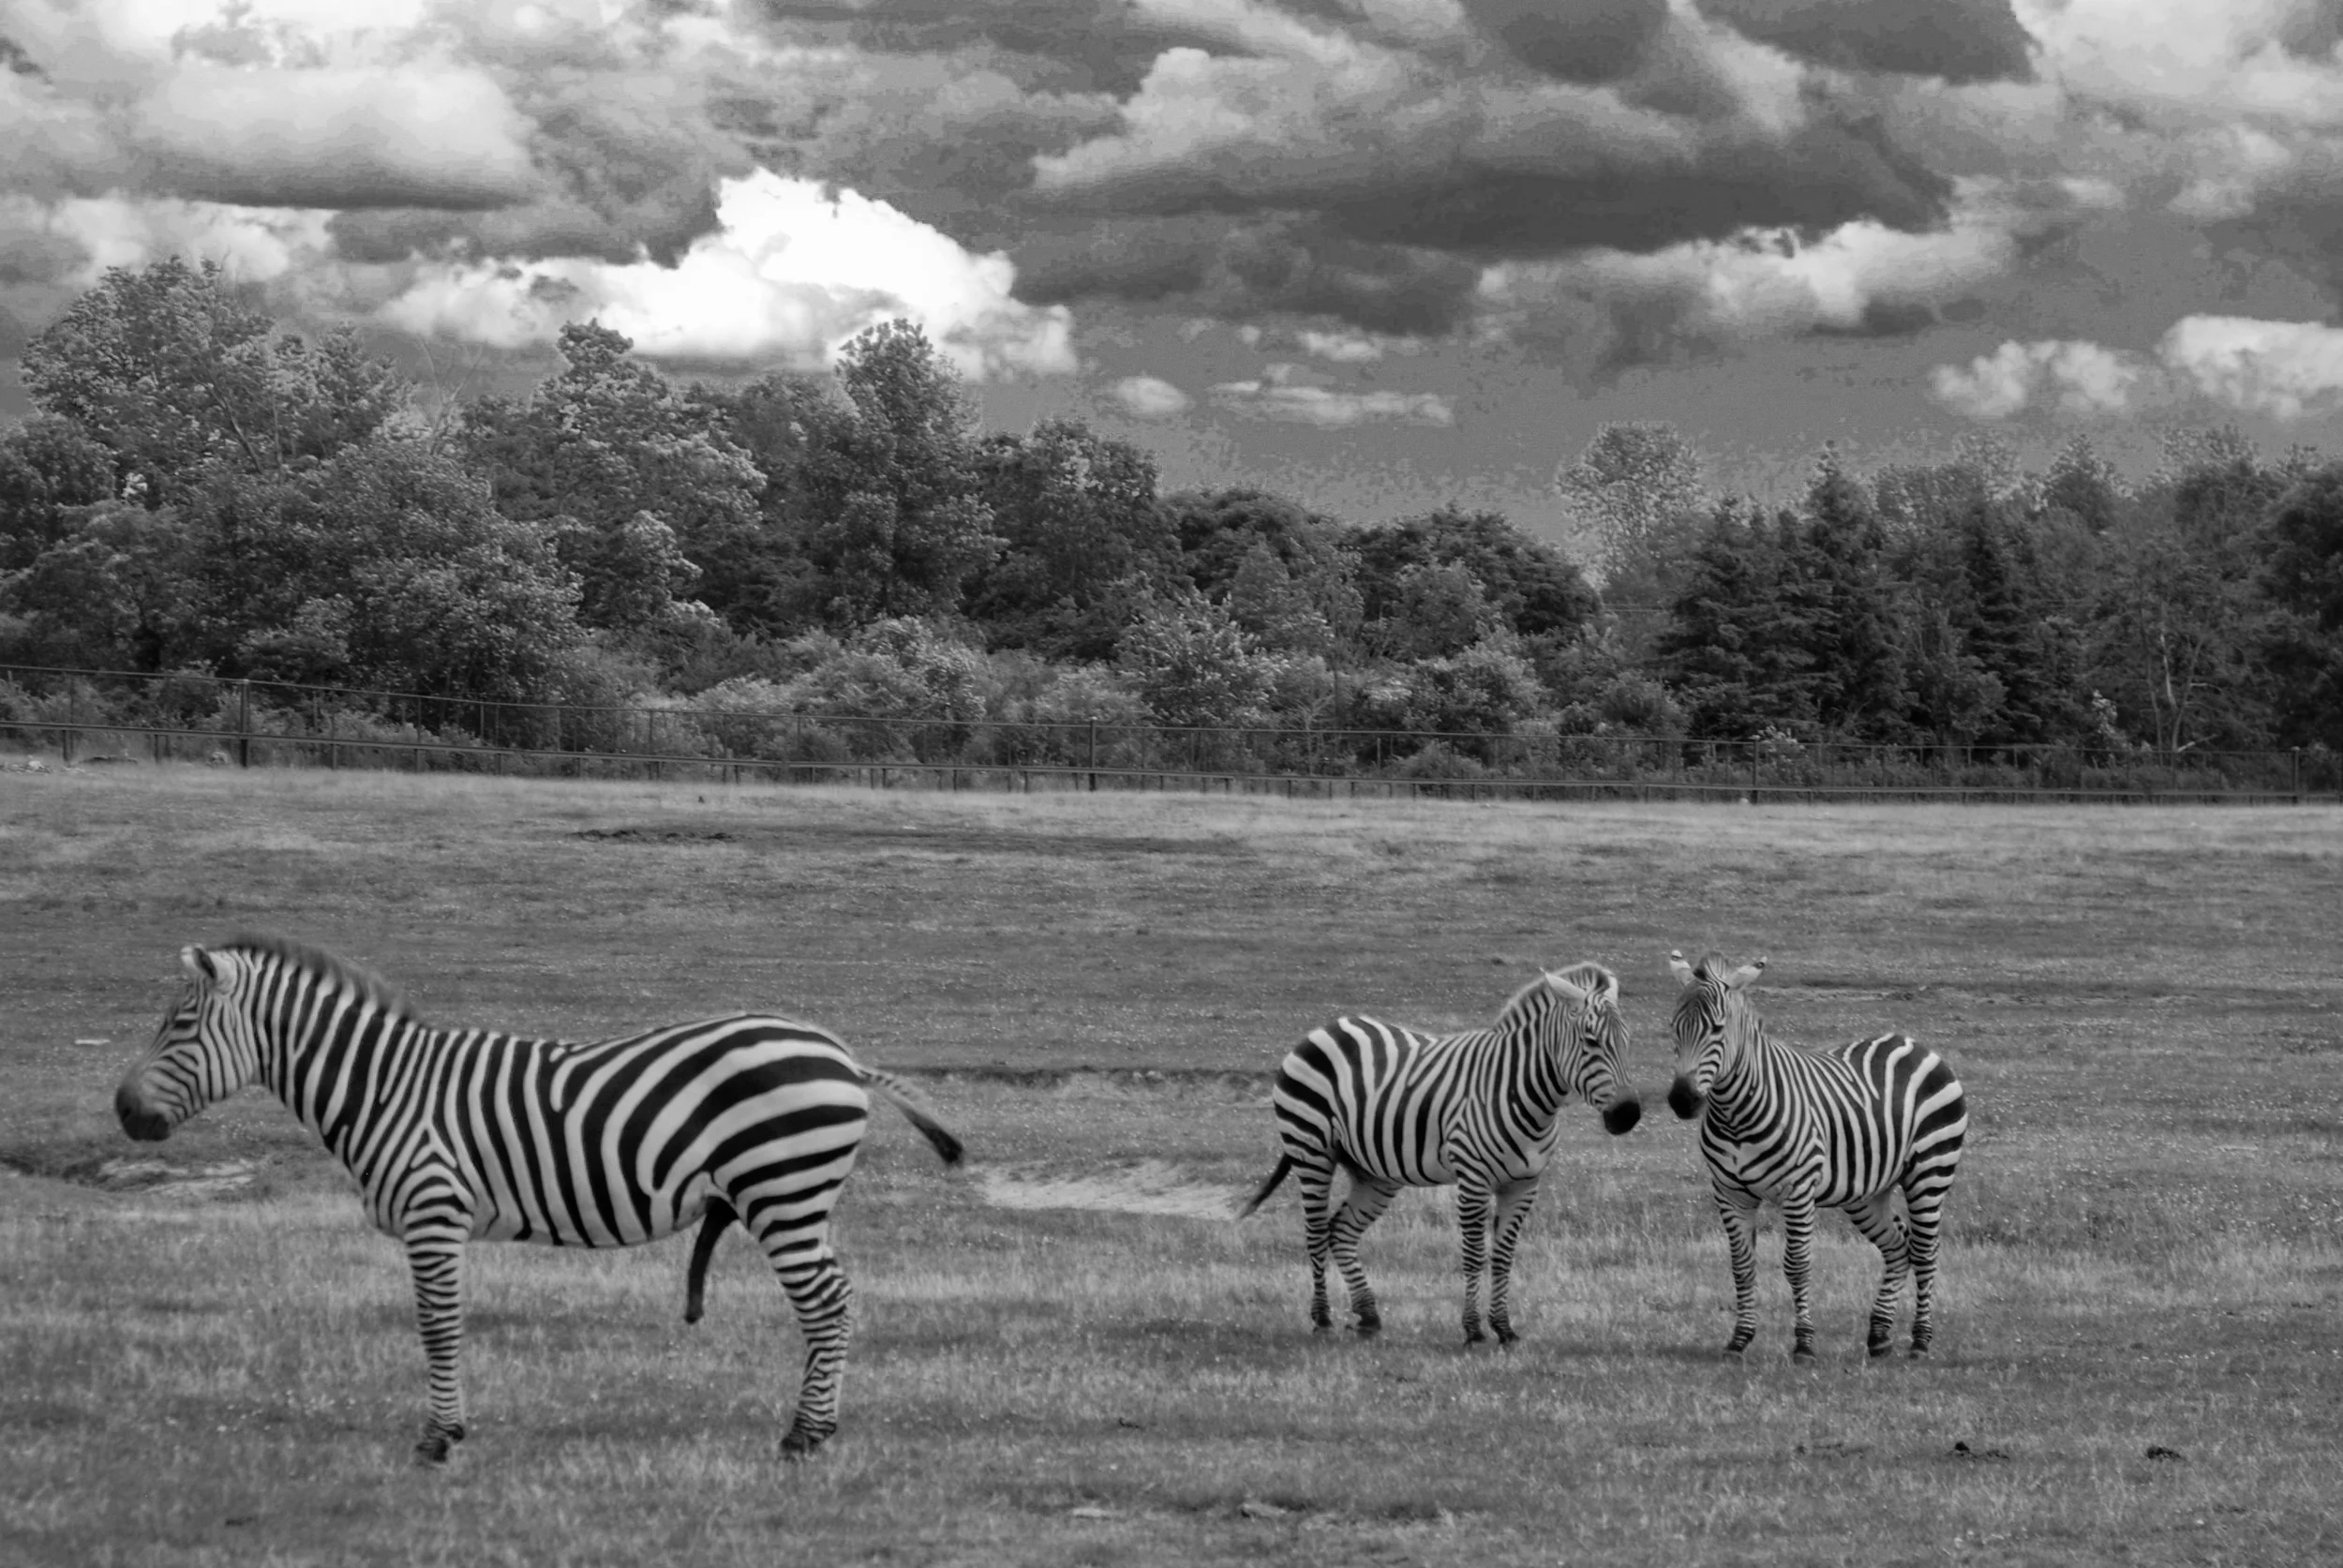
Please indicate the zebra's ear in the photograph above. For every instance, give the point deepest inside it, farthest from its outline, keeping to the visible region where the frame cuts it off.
(1676, 966)
(1574, 994)
(1744, 974)
(199, 965)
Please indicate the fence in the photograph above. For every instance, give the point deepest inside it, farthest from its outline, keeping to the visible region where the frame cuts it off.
(92, 716)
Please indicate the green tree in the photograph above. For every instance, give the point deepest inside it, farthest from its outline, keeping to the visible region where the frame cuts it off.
(2304, 578)
(635, 481)
(388, 566)
(1192, 665)
(165, 369)
(1084, 540)
(900, 525)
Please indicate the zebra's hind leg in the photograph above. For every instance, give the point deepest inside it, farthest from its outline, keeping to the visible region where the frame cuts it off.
(1365, 1202)
(1317, 1185)
(823, 1299)
(1875, 1217)
(703, 1251)
(1926, 1211)
(1513, 1209)
(1738, 1211)
(435, 1256)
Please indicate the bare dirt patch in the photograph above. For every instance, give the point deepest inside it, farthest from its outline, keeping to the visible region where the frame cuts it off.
(1150, 1186)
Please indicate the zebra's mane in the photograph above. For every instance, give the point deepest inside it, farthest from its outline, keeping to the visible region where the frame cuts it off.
(1592, 978)
(326, 967)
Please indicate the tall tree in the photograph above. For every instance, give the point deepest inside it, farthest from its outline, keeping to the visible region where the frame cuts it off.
(1084, 541)
(170, 373)
(628, 472)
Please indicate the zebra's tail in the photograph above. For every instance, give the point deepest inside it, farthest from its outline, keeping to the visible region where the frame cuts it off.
(916, 1111)
(1261, 1194)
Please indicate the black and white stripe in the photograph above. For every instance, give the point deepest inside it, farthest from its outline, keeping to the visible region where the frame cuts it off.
(1846, 1129)
(1394, 1109)
(461, 1133)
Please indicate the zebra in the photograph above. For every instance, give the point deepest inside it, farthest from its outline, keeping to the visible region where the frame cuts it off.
(1394, 1108)
(1845, 1128)
(455, 1134)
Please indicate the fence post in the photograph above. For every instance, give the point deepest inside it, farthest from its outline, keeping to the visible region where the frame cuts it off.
(2297, 780)
(1753, 773)
(244, 723)
(73, 722)
(1094, 756)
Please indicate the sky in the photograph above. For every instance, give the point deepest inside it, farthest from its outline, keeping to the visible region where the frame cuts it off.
(1377, 255)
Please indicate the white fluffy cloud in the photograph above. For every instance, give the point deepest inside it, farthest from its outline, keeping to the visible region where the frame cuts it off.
(2285, 369)
(2081, 378)
(2275, 367)
(1149, 397)
(1278, 394)
(791, 273)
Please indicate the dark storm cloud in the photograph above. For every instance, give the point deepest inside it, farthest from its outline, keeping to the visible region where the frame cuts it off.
(1074, 45)
(1960, 41)
(1237, 270)
(623, 166)
(1588, 41)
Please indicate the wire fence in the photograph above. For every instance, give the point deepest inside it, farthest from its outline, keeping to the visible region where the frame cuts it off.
(101, 717)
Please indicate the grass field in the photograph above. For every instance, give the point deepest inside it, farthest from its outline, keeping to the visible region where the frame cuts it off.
(205, 1357)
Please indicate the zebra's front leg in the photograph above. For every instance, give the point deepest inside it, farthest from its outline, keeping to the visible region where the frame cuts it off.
(1738, 1211)
(1317, 1186)
(1362, 1207)
(435, 1256)
(1512, 1210)
(1876, 1219)
(1473, 1201)
(1797, 1258)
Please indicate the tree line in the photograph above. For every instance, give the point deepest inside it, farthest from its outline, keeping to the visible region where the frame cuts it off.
(201, 491)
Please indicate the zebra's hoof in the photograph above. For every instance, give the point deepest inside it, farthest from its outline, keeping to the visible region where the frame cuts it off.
(1803, 1354)
(1878, 1347)
(1475, 1337)
(436, 1444)
(1921, 1352)
(1507, 1339)
(1367, 1328)
(801, 1444)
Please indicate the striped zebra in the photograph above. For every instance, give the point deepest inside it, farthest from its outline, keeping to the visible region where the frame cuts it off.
(1846, 1128)
(461, 1133)
(1392, 1109)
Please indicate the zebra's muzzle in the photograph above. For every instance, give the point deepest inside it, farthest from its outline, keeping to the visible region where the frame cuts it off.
(1684, 1099)
(1622, 1113)
(147, 1127)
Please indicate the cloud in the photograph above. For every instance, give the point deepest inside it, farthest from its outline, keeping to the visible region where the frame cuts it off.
(1959, 41)
(1277, 395)
(1149, 397)
(1712, 135)
(2288, 370)
(791, 273)
(1615, 308)
(2282, 368)
(2082, 377)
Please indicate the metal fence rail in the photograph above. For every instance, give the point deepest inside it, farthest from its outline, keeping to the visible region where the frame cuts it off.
(93, 716)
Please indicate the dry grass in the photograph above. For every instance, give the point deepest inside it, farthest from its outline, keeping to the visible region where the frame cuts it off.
(2143, 1247)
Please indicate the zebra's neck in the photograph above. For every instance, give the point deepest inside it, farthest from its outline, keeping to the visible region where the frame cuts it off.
(1737, 1094)
(331, 1055)
(1543, 1086)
